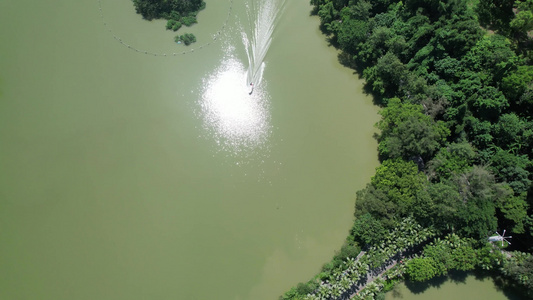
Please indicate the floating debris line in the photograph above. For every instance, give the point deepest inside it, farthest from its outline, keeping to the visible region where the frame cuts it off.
(191, 50)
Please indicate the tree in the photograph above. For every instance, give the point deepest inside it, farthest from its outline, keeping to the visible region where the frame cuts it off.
(441, 256)
(421, 269)
(478, 189)
(442, 210)
(367, 230)
(495, 13)
(488, 103)
(327, 14)
(361, 10)
(415, 137)
(400, 181)
(407, 132)
(458, 35)
(493, 57)
(187, 38)
(517, 82)
(389, 72)
(520, 269)
(514, 210)
(456, 158)
(351, 34)
(511, 169)
(523, 20)
(448, 67)
(155, 9)
(513, 133)
(479, 132)
(374, 201)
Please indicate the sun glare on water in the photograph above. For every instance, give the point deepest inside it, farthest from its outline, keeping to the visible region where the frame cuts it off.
(238, 116)
(237, 119)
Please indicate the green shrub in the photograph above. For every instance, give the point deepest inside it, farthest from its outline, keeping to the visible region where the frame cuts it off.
(187, 38)
(188, 21)
(176, 26)
(175, 15)
(170, 24)
(306, 288)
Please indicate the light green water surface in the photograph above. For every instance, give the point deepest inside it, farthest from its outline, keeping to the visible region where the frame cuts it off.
(125, 175)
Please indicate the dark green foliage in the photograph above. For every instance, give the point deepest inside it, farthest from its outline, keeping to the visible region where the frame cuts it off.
(389, 72)
(520, 269)
(187, 38)
(304, 289)
(517, 87)
(367, 230)
(441, 210)
(479, 132)
(514, 134)
(479, 191)
(170, 24)
(349, 249)
(407, 132)
(361, 10)
(173, 24)
(442, 256)
(488, 103)
(177, 12)
(401, 181)
(376, 202)
(421, 269)
(511, 169)
(495, 13)
(155, 9)
(327, 14)
(456, 158)
(415, 137)
(492, 57)
(514, 210)
(443, 80)
(523, 21)
(393, 193)
(351, 33)
(188, 21)
(456, 133)
(176, 26)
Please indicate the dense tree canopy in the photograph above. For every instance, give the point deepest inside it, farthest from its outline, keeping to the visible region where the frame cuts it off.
(456, 103)
(456, 134)
(157, 9)
(455, 81)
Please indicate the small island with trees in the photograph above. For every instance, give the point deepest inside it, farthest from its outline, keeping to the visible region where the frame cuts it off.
(176, 12)
(454, 80)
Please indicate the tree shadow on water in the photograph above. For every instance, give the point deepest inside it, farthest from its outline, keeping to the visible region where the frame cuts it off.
(503, 285)
(458, 276)
(420, 287)
(396, 293)
(346, 59)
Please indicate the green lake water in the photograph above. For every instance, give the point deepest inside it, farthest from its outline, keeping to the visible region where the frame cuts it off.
(125, 175)
(458, 286)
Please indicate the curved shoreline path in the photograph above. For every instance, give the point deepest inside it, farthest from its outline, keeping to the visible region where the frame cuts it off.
(215, 36)
(371, 275)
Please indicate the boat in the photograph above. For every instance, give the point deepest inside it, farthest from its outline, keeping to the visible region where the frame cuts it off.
(251, 88)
